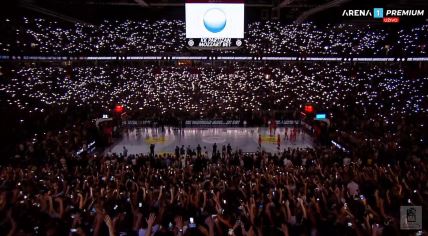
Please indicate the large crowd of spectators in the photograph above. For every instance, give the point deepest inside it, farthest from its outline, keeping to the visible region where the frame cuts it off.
(46, 190)
(210, 91)
(39, 36)
(43, 37)
(319, 191)
(378, 103)
(310, 39)
(377, 111)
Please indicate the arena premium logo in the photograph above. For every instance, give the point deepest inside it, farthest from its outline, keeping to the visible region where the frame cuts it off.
(390, 16)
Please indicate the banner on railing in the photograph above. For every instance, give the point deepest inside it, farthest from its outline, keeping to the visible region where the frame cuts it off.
(212, 57)
(211, 123)
(139, 122)
(287, 122)
(208, 123)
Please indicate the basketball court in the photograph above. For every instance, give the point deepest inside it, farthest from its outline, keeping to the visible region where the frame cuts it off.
(138, 140)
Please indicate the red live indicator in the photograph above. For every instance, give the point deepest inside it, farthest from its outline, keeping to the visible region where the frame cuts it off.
(391, 20)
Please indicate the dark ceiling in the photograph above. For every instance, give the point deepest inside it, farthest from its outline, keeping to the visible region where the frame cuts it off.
(285, 10)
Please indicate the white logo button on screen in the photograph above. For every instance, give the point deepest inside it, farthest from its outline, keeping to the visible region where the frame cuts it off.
(214, 20)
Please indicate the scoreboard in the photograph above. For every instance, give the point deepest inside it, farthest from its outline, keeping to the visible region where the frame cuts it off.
(214, 23)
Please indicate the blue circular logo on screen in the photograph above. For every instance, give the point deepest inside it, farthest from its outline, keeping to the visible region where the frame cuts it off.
(214, 20)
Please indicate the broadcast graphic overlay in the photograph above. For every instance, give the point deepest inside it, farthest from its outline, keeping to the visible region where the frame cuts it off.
(386, 15)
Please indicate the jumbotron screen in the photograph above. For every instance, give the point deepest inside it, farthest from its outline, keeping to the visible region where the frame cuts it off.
(219, 19)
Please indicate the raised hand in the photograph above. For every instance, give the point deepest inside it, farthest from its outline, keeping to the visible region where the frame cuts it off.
(179, 222)
(151, 219)
(251, 232)
(109, 224)
(284, 229)
(209, 221)
(108, 221)
(12, 223)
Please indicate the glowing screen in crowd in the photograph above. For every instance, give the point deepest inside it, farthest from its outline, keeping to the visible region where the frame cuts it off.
(222, 19)
(320, 116)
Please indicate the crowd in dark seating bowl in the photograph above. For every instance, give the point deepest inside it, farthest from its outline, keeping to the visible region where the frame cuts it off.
(378, 111)
(42, 36)
(47, 190)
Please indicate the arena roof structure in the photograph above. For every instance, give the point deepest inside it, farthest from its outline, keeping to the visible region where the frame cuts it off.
(89, 11)
(288, 10)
